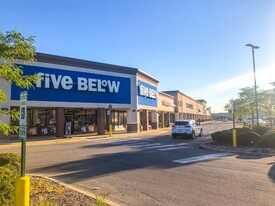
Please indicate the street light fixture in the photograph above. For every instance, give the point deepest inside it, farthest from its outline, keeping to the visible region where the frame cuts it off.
(255, 85)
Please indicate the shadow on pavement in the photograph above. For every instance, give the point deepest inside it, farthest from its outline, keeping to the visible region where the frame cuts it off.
(111, 163)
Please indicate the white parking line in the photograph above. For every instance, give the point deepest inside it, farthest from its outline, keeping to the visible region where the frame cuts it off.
(203, 157)
(174, 148)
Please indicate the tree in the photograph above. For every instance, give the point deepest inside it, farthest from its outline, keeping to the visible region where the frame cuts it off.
(242, 109)
(267, 103)
(247, 101)
(14, 48)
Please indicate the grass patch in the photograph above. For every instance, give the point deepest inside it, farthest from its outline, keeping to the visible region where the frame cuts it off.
(100, 200)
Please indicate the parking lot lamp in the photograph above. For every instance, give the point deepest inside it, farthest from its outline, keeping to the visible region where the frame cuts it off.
(255, 85)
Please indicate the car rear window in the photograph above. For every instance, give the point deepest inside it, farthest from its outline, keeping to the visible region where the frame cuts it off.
(181, 123)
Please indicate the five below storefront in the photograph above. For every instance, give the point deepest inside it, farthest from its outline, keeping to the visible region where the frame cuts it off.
(80, 92)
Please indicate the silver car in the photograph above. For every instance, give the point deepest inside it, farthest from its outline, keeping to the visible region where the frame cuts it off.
(188, 128)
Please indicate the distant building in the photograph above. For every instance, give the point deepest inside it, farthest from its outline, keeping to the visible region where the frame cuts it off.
(189, 108)
(217, 116)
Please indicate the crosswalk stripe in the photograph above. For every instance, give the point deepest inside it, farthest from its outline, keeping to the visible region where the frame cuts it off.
(136, 143)
(203, 157)
(160, 146)
(125, 142)
(144, 145)
(173, 148)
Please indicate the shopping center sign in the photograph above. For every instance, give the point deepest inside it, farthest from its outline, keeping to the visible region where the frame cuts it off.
(72, 86)
(52, 81)
(147, 94)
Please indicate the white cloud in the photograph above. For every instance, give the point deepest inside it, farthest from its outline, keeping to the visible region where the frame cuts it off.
(263, 77)
(218, 94)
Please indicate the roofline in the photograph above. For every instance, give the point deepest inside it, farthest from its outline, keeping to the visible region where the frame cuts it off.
(68, 61)
(168, 95)
(147, 75)
(202, 100)
(184, 95)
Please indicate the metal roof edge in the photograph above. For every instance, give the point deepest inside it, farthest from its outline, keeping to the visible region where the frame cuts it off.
(147, 75)
(69, 61)
(166, 94)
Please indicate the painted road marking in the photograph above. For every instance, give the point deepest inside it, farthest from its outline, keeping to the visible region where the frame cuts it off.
(145, 144)
(174, 148)
(201, 158)
(160, 146)
(125, 142)
(136, 143)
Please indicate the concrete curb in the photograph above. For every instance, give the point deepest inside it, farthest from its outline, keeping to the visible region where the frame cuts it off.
(76, 138)
(232, 150)
(109, 202)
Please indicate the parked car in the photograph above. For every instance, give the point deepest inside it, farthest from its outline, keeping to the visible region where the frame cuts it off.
(248, 120)
(188, 128)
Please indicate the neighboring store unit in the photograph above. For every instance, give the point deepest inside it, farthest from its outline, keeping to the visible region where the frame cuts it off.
(147, 101)
(80, 92)
(166, 109)
(188, 108)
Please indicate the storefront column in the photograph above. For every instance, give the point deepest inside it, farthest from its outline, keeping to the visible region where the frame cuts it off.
(169, 120)
(155, 120)
(162, 119)
(177, 116)
(60, 120)
(101, 115)
(144, 117)
(133, 121)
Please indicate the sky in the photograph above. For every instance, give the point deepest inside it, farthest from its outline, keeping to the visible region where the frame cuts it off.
(194, 46)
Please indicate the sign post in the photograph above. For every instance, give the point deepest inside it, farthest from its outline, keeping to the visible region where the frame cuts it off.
(22, 185)
(23, 129)
(109, 111)
(234, 133)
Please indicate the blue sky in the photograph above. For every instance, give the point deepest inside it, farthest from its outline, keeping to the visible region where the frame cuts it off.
(195, 46)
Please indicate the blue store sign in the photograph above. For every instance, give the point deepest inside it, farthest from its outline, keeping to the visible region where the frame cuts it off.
(147, 94)
(70, 86)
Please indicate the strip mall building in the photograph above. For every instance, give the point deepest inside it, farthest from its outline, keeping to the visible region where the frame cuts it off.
(81, 92)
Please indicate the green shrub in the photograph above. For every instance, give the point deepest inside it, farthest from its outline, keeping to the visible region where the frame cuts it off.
(216, 136)
(270, 131)
(268, 140)
(9, 172)
(261, 130)
(10, 161)
(245, 137)
(248, 138)
(224, 136)
(241, 130)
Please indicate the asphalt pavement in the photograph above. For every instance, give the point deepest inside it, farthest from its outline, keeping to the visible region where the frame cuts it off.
(154, 169)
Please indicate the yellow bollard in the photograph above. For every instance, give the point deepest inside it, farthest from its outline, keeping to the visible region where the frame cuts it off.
(22, 191)
(110, 130)
(234, 138)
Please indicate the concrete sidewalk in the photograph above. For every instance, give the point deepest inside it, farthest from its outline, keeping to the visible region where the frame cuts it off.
(36, 140)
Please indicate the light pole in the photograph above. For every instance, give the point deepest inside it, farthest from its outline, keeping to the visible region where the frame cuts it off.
(255, 85)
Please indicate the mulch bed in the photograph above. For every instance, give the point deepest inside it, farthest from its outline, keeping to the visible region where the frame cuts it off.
(53, 194)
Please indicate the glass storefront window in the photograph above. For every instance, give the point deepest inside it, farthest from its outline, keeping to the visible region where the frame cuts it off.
(119, 119)
(39, 121)
(83, 120)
